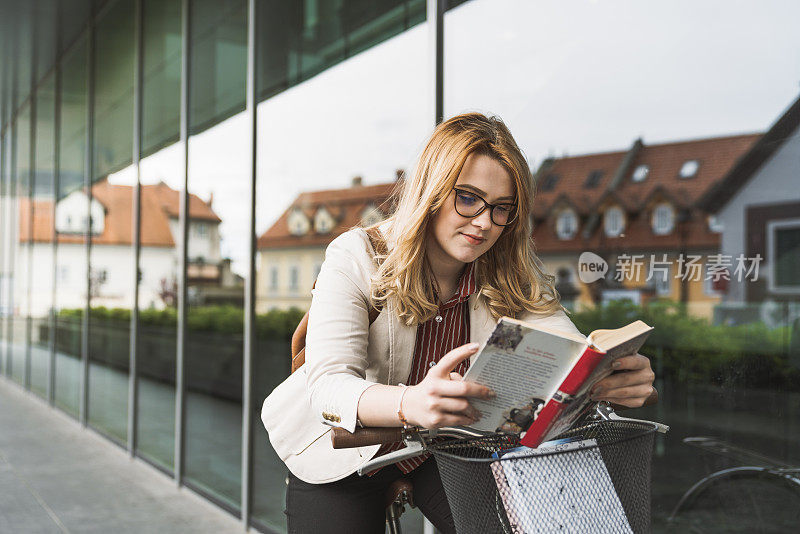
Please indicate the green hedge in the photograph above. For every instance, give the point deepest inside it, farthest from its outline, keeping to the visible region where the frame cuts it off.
(229, 320)
(692, 349)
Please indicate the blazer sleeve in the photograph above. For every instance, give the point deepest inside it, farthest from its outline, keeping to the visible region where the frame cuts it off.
(338, 331)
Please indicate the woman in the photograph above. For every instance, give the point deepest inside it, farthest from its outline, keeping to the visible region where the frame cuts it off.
(459, 256)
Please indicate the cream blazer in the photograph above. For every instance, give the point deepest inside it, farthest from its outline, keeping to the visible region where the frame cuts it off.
(344, 356)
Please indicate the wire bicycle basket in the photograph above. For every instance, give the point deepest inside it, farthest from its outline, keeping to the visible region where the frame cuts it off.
(600, 482)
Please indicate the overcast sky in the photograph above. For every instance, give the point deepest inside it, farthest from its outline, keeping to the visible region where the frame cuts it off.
(567, 76)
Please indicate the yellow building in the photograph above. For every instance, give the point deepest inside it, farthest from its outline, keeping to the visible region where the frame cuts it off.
(291, 251)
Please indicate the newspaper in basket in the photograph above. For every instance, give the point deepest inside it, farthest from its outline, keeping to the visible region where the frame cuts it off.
(600, 482)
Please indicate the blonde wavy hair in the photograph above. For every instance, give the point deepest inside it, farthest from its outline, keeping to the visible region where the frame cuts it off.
(509, 275)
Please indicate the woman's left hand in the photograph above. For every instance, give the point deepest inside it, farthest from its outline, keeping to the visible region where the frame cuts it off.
(630, 385)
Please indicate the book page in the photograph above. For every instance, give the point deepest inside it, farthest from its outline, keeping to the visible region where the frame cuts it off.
(624, 347)
(524, 366)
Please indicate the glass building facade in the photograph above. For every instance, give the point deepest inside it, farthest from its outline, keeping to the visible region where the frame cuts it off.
(146, 146)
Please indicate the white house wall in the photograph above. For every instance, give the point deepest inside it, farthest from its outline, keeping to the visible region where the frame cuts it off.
(776, 182)
(116, 260)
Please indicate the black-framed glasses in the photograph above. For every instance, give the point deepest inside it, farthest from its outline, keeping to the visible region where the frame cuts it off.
(469, 204)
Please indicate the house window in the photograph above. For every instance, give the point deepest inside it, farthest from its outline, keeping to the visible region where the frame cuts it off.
(708, 285)
(689, 168)
(640, 173)
(323, 221)
(294, 276)
(298, 222)
(371, 215)
(662, 278)
(783, 256)
(273, 278)
(549, 182)
(663, 219)
(566, 224)
(593, 179)
(201, 229)
(715, 225)
(614, 221)
(63, 273)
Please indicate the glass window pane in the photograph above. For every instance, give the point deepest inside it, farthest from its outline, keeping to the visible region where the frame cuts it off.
(217, 230)
(161, 179)
(360, 128)
(71, 265)
(298, 40)
(42, 263)
(578, 97)
(73, 21)
(6, 244)
(113, 90)
(20, 253)
(109, 216)
(218, 59)
(45, 20)
(162, 74)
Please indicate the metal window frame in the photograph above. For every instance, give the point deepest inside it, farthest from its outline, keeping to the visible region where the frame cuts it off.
(251, 109)
(133, 337)
(34, 102)
(51, 368)
(180, 363)
(88, 174)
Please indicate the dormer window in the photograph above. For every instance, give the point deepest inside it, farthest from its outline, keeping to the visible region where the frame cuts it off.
(549, 182)
(566, 224)
(663, 219)
(689, 168)
(640, 173)
(614, 221)
(371, 215)
(715, 225)
(298, 222)
(323, 221)
(593, 179)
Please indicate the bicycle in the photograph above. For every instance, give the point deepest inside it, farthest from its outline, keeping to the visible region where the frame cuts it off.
(745, 491)
(471, 484)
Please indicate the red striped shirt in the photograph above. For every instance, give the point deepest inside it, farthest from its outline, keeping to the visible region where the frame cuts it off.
(435, 338)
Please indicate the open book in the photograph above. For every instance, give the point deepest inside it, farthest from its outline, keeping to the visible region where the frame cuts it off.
(543, 377)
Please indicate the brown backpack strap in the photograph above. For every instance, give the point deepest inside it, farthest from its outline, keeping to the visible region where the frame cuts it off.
(299, 336)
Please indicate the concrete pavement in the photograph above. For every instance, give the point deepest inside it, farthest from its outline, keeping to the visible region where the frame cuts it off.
(58, 478)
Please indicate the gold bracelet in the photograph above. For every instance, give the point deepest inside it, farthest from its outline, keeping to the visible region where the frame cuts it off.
(400, 415)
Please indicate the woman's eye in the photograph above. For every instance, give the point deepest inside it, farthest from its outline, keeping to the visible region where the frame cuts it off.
(466, 198)
(505, 208)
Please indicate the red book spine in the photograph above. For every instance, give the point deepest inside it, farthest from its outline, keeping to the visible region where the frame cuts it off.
(582, 369)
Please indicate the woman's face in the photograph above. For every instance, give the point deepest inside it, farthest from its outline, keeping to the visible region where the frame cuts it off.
(453, 238)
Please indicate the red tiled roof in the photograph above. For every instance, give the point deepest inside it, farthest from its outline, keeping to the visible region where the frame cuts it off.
(345, 205)
(716, 157)
(159, 204)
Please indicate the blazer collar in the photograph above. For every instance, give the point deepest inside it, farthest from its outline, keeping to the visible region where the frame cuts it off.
(403, 337)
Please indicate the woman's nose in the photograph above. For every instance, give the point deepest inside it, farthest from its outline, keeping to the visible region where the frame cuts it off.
(483, 220)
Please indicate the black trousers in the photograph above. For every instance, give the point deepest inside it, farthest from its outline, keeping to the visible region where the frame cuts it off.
(355, 505)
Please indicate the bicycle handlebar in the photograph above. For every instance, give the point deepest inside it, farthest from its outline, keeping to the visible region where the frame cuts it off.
(362, 437)
(342, 439)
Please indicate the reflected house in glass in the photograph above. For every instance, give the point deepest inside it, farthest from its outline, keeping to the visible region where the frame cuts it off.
(111, 222)
(291, 251)
(758, 207)
(644, 200)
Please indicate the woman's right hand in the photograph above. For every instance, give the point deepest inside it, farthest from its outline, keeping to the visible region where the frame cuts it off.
(442, 398)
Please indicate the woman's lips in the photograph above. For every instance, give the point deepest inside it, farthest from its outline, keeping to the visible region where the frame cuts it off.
(473, 240)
